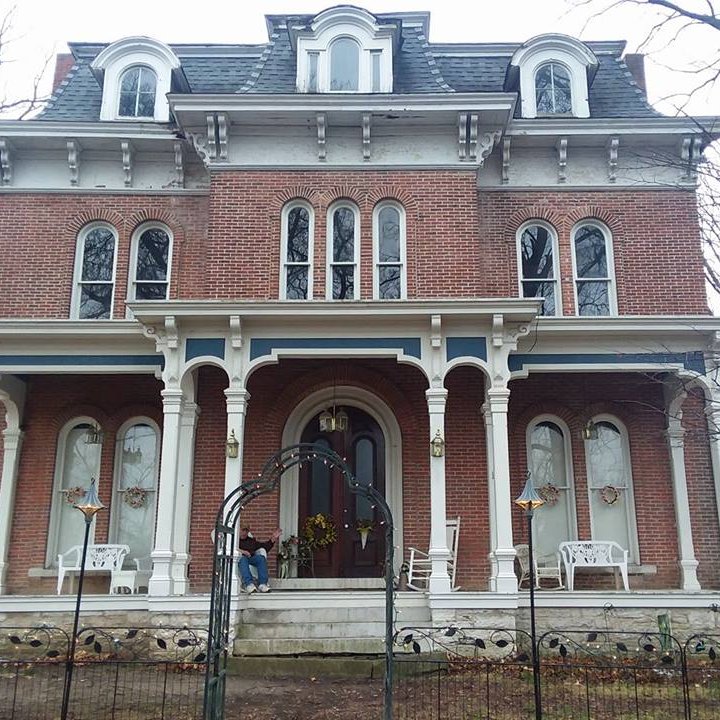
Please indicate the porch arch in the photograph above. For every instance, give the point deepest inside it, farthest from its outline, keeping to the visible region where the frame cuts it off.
(381, 412)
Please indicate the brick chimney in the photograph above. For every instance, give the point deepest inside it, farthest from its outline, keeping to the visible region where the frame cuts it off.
(63, 63)
(636, 66)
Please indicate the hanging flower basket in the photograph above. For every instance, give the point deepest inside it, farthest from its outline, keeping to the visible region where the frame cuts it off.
(319, 531)
(364, 527)
(549, 493)
(135, 496)
(609, 494)
(73, 494)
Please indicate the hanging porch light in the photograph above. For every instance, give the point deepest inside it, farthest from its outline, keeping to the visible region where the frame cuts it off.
(590, 431)
(94, 435)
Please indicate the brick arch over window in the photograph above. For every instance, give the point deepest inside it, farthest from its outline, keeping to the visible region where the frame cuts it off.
(549, 407)
(343, 192)
(534, 212)
(72, 411)
(594, 212)
(299, 192)
(76, 223)
(159, 216)
(126, 412)
(389, 193)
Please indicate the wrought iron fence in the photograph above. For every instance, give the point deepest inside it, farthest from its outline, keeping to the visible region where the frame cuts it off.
(487, 674)
(137, 673)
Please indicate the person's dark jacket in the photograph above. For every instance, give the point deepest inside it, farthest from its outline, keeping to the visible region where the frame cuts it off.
(252, 545)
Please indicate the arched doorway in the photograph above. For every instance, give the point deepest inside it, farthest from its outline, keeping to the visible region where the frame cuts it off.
(323, 490)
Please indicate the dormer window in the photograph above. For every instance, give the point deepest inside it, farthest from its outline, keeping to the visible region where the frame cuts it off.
(553, 95)
(344, 65)
(137, 93)
(345, 49)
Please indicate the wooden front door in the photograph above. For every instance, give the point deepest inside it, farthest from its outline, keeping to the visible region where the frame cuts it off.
(325, 490)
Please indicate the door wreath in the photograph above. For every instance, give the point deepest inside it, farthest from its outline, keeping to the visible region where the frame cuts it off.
(609, 494)
(319, 531)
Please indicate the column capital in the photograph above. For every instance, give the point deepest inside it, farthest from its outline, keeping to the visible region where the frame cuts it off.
(436, 399)
(172, 400)
(236, 400)
(12, 438)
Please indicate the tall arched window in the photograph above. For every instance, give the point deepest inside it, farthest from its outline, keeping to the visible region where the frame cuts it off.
(137, 92)
(343, 252)
(151, 260)
(389, 252)
(297, 251)
(537, 249)
(612, 506)
(550, 466)
(77, 463)
(552, 89)
(137, 462)
(344, 65)
(94, 273)
(592, 260)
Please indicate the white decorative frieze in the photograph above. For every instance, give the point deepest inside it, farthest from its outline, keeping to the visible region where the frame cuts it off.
(127, 161)
(690, 152)
(73, 149)
(613, 145)
(366, 136)
(5, 162)
(506, 161)
(473, 136)
(321, 119)
(562, 145)
(211, 145)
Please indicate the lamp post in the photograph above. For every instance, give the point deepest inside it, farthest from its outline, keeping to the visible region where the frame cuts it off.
(88, 507)
(528, 501)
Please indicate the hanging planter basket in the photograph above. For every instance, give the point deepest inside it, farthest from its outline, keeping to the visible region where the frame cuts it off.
(364, 528)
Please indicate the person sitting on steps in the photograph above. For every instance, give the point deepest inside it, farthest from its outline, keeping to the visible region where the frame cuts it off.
(249, 555)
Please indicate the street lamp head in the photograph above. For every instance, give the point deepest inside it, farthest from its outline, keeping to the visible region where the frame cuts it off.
(529, 499)
(91, 502)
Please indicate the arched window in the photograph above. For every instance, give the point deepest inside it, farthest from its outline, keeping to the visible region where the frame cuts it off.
(389, 251)
(550, 466)
(151, 259)
(137, 93)
(344, 65)
(297, 251)
(137, 463)
(537, 248)
(94, 273)
(552, 89)
(77, 463)
(592, 260)
(612, 507)
(343, 252)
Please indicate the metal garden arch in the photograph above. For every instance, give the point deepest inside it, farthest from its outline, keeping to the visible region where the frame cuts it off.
(224, 559)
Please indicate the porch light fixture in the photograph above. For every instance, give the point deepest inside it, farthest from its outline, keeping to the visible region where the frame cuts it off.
(529, 501)
(232, 446)
(590, 431)
(330, 421)
(437, 445)
(94, 435)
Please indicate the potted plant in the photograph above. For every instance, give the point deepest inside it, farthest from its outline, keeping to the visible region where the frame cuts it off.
(364, 526)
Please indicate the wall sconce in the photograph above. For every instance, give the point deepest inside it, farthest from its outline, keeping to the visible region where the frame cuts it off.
(94, 435)
(437, 445)
(590, 431)
(232, 446)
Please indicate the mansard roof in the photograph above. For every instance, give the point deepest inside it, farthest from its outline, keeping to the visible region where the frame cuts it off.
(418, 67)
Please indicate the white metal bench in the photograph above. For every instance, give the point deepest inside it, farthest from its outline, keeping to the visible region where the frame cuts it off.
(100, 559)
(594, 554)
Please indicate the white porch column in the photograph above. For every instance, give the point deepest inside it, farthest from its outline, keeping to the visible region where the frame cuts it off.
(183, 497)
(504, 580)
(676, 447)
(439, 551)
(712, 412)
(487, 415)
(12, 396)
(161, 582)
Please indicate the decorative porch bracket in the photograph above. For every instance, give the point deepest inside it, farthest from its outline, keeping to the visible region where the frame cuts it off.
(226, 524)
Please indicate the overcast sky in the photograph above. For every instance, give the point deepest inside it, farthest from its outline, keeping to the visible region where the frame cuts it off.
(43, 27)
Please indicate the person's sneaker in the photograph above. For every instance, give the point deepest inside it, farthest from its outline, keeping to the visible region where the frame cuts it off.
(249, 589)
(264, 588)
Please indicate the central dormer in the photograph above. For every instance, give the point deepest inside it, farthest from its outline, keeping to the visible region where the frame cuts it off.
(345, 50)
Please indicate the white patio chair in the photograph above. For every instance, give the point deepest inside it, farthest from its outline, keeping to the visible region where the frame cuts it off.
(547, 567)
(420, 565)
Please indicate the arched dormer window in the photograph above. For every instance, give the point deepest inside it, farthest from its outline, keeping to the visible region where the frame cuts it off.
(298, 224)
(344, 65)
(553, 95)
(343, 252)
(150, 262)
(538, 265)
(137, 93)
(553, 74)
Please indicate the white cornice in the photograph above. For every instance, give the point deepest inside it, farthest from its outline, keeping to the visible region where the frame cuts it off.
(702, 325)
(89, 329)
(106, 129)
(603, 126)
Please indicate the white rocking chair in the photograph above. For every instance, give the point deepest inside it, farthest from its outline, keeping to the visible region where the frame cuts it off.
(420, 565)
(546, 567)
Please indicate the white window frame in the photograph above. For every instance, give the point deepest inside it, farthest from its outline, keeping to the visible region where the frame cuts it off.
(376, 248)
(628, 491)
(77, 273)
(610, 260)
(556, 262)
(567, 444)
(132, 274)
(284, 264)
(51, 551)
(117, 498)
(329, 250)
(128, 69)
(570, 76)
